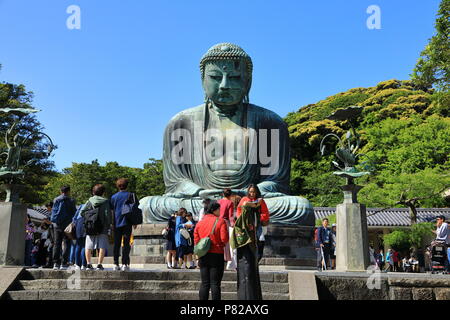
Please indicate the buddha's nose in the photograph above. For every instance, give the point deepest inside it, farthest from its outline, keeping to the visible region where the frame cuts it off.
(224, 85)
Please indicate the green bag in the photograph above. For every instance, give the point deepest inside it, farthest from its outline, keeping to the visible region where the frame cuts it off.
(202, 247)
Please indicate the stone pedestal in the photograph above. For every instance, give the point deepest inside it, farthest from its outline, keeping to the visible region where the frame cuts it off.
(294, 245)
(352, 243)
(12, 233)
(285, 245)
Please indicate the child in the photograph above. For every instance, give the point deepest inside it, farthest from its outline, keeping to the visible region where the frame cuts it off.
(34, 254)
(190, 247)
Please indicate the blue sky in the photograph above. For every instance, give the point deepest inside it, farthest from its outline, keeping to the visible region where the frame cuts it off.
(108, 90)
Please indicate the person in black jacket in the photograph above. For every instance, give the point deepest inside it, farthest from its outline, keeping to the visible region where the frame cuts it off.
(62, 214)
(325, 244)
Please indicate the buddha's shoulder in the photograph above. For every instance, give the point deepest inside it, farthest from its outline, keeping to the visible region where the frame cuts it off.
(265, 113)
(188, 113)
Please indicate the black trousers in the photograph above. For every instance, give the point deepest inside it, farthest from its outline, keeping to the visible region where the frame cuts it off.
(248, 282)
(124, 232)
(42, 254)
(211, 273)
(260, 250)
(57, 247)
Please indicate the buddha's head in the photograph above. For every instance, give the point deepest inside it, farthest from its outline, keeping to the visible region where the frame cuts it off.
(226, 72)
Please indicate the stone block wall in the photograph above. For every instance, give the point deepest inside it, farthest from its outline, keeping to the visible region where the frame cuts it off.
(349, 286)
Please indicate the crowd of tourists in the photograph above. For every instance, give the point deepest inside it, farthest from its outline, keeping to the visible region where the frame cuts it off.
(72, 236)
(232, 219)
(393, 261)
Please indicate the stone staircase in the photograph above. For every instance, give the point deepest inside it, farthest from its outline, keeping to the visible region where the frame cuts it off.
(45, 284)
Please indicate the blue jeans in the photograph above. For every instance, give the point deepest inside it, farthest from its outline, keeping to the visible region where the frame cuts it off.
(79, 252)
(72, 252)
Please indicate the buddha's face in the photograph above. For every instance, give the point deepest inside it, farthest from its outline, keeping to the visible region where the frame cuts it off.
(225, 82)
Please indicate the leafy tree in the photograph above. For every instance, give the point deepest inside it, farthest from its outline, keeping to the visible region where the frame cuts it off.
(419, 232)
(403, 134)
(150, 180)
(433, 66)
(331, 220)
(398, 240)
(318, 185)
(405, 239)
(42, 168)
(423, 188)
(81, 177)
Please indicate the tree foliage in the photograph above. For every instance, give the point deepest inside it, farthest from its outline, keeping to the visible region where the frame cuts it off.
(403, 132)
(81, 177)
(42, 168)
(404, 239)
(433, 66)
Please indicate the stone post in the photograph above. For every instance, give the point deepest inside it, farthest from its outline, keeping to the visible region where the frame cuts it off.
(12, 231)
(352, 247)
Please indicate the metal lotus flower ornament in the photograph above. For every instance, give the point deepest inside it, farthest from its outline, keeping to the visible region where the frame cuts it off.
(15, 143)
(347, 150)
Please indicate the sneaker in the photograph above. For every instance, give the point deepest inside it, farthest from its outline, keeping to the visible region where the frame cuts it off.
(55, 267)
(76, 267)
(192, 267)
(83, 268)
(169, 266)
(125, 267)
(116, 267)
(100, 267)
(63, 267)
(89, 267)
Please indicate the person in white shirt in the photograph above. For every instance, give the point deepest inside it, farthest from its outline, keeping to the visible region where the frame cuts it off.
(442, 232)
(443, 236)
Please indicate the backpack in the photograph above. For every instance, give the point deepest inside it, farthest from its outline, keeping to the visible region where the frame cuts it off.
(59, 213)
(202, 247)
(80, 230)
(131, 210)
(92, 223)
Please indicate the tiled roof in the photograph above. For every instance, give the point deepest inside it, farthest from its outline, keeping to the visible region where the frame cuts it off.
(392, 217)
(38, 213)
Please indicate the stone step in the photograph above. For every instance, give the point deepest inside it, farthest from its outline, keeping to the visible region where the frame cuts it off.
(136, 285)
(122, 295)
(188, 275)
(266, 261)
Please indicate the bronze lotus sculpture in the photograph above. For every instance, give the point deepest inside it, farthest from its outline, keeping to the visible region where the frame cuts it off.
(347, 151)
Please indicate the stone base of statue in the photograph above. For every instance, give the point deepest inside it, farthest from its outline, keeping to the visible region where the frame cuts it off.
(352, 243)
(289, 246)
(12, 233)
